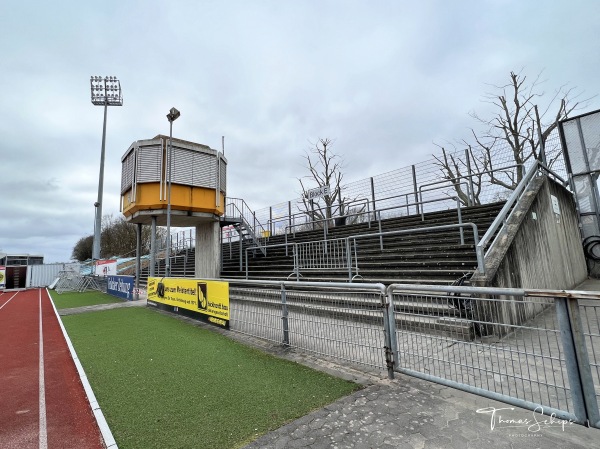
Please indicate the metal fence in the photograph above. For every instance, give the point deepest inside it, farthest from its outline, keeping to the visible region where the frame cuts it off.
(393, 191)
(535, 349)
(523, 347)
(343, 322)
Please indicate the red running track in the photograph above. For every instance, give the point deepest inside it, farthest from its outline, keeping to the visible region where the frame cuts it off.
(42, 401)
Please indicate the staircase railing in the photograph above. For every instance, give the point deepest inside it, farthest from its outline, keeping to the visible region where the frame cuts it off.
(246, 225)
(507, 210)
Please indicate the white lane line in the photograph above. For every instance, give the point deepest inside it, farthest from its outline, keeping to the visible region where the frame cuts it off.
(43, 429)
(9, 299)
(109, 440)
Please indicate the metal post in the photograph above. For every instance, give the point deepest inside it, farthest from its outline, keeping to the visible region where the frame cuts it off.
(349, 259)
(284, 317)
(138, 260)
(389, 354)
(570, 353)
(171, 116)
(373, 197)
(98, 223)
(471, 195)
(168, 251)
(104, 92)
(462, 232)
(380, 231)
(414, 175)
(392, 328)
(584, 367)
(542, 144)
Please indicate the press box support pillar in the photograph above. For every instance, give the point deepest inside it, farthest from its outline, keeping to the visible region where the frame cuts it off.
(208, 250)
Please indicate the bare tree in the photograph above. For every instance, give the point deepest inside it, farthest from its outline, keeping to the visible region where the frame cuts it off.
(456, 171)
(325, 169)
(520, 126)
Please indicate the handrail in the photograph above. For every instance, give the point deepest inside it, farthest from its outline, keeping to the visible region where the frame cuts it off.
(444, 187)
(355, 237)
(326, 221)
(304, 214)
(478, 254)
(456, 178)
(507, 210)
(293, 244)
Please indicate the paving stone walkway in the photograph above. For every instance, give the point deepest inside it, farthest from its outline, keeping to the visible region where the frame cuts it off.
(411, 413)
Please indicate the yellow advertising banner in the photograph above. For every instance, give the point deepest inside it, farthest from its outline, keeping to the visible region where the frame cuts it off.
(210, 298)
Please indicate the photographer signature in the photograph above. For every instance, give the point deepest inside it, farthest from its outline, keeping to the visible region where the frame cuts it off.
(535, 424)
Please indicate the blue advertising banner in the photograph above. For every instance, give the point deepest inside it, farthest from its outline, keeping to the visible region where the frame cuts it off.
(121, 286)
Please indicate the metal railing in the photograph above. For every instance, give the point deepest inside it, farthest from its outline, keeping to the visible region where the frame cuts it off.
(536, 349)
(342, 253)
(508, 208)
(340, 321)
(381, 235)
(246, 225)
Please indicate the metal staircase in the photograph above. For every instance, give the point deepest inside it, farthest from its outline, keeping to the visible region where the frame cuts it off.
(243, 219)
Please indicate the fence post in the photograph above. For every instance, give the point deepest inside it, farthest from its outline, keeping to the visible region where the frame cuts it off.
(392, 319)
(284, 317)
(542, 144)
(373, 198)
(349, 259)
(290, 213)
(585, 373)
(380, 231)
(389, 352)
(414, 175)
(471, 195)
(572, 340)
(462, 232)
(270, 221)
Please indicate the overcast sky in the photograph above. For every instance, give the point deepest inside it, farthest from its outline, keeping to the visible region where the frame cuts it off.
(384, 79)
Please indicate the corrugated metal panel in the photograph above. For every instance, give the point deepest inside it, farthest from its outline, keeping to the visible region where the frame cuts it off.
(43, 275)
(204, 170)
(148, 164)
(127, 167)
(183, 164)
(223, 176)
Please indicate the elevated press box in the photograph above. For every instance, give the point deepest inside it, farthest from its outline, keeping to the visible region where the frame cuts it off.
(198, 182)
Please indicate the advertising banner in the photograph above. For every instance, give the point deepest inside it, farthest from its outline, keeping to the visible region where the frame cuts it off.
(209, 298)
(106, 268)
(121, 286)
(2, 277)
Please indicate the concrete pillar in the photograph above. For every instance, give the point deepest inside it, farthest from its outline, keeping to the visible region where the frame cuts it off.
(138, 260)
(153, 246)
(208, 250)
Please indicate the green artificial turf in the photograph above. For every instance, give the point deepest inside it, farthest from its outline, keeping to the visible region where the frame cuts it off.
(75, 299)
(163, 383)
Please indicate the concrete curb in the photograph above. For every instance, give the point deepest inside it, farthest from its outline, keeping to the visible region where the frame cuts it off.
(107, 436)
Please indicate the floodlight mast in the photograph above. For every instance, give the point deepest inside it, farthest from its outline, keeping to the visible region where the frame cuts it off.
(105, 92)
(171, 116)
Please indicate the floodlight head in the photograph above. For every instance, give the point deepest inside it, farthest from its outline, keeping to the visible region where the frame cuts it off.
(104, 85)
(173, 115)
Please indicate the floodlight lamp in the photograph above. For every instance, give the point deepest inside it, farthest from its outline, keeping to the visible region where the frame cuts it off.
(173, 115)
